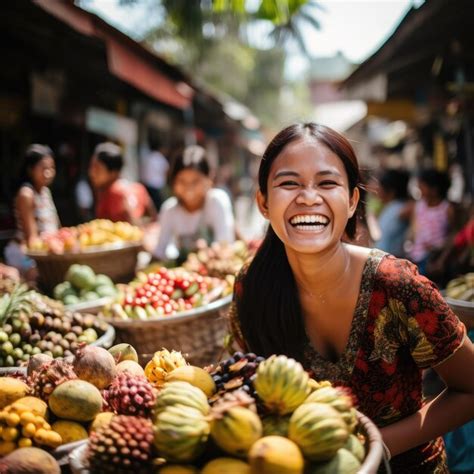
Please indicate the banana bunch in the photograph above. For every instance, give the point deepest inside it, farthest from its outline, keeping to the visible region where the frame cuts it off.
(462, 288)
(162, 363)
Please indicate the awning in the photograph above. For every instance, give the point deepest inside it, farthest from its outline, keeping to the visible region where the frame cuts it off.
(138, 70)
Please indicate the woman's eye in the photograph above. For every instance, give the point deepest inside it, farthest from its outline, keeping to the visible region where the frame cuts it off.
(288, 183)
(328, 183)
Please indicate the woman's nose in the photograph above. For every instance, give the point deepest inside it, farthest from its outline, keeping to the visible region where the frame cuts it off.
(309, 196)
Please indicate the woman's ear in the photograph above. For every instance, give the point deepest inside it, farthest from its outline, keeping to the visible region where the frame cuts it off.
(354, 200)
(262, 204)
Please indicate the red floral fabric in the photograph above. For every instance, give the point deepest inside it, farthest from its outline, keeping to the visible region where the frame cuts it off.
(401, 326)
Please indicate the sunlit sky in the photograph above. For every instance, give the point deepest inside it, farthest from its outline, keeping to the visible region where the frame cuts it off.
(355, 27)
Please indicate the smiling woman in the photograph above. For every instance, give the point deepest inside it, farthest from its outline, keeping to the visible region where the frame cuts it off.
(356, 316)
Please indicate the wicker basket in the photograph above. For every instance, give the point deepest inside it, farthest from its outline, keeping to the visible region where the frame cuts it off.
(118, 262)
(105, 341)
(463, 309)
(372, 461)
(89, 307)
(198, 333)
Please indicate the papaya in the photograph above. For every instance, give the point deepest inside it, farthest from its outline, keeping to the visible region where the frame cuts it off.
(81, 276)
(76, 400)
(11, 389)
(70, 431)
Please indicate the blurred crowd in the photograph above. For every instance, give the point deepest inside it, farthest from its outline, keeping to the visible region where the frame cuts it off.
(182, 199)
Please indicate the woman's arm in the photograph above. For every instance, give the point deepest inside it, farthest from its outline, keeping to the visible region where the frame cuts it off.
(451, 409)
(26, 213)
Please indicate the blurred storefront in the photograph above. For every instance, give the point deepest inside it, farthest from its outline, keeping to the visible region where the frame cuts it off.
(424, 75)
(71, 80)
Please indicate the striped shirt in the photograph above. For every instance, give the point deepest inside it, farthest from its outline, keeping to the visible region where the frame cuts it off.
(430, 228)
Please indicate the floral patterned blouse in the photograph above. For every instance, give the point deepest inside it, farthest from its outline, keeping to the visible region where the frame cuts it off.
(401, 325)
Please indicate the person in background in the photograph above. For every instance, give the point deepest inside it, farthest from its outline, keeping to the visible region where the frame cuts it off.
(196, 211)
(358, 317)
(393, 192)
(34, 209)
(431, 218)
(117, 199)
(154, 172)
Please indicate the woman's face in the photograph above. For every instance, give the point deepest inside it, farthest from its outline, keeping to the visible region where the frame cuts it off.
(43, 173)
(190, 187)
(99, 174)
(308, 201)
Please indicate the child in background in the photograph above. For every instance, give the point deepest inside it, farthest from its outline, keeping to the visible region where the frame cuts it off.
(34, 208)
(117, 199)
(196, 211)
(431, 217)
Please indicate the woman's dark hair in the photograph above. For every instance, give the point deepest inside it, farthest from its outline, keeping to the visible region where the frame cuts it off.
(33, 155)
(269, 309)
(110, 155)
(192, 157)
(395, 181)
(437, 180)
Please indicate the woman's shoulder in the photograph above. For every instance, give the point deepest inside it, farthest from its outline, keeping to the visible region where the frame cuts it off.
(399, 274)
(216, 195)
(26, 192)
(170, 204)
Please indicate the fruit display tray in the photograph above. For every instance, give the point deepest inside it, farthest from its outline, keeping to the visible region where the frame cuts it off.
(463, 309)
(198, 333)
(118, 261)
(90, 307)
(373, 459)
(106, 340)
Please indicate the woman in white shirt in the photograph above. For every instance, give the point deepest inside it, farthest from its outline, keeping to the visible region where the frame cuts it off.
(196, 211)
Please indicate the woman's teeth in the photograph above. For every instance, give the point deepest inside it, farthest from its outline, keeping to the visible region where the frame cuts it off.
(309, 222)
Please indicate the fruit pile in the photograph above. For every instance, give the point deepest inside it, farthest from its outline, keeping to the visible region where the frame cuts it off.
(96, 233)
(461, 288)
(180, 417)
(32, 323)
(163, 293)
(66, 399)
(82, 284)
(191, 420)
(219, 260)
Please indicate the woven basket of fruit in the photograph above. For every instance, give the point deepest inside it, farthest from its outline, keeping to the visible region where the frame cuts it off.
(172, 307)
(198, 332)
(117, 261)
(32, 324)
(268, 416)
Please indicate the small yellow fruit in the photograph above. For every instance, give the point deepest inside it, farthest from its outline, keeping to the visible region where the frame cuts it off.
(11, 389)
(13, 419)
(53, 439)
(25, 443)
(226, 466)
(195, 376)
(9, 434)
(29, 430)
(27, 417)
(70, 431)
(6, 447)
